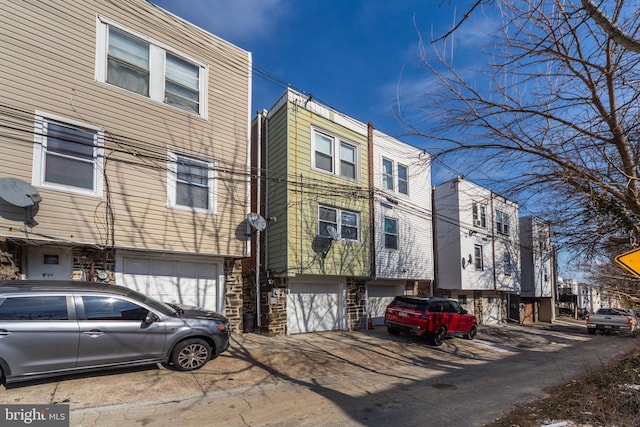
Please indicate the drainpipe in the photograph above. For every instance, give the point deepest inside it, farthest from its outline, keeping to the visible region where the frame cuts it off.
(302, 223)
(493, 242)
(372, 219)
(261, 120)
(261, 142)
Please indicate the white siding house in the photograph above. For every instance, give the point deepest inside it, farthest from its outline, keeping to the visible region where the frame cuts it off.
(403, 230)
(477, 248)
(538, 278)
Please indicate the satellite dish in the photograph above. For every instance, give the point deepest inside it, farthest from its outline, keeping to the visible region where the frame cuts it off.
(18, 192)
(256, 221)
(333, 233)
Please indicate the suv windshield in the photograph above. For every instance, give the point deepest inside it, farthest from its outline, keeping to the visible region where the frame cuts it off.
(157, 305)
(411, 303)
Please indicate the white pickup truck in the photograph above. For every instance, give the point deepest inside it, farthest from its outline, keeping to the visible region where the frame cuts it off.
(612, 319)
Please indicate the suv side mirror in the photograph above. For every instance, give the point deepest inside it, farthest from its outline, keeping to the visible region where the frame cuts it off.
(150, 318)
(463, 311)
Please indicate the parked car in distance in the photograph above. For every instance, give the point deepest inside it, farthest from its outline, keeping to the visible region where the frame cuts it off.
(612, 319)
(52, 328)
(433, 318)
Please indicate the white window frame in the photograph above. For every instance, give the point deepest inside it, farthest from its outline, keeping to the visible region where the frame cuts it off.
(392, 181)
(479, 211)
(502, 222)
(157, 65)
(478, 260)
(336, 159)
(338, 223)
(385, 233)
(507, 265)
(388, 179)
(41, 121)
(401, 181)
(172, 181)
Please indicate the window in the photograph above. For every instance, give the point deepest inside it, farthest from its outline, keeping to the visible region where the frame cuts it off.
(324, 152)
(141, 65)
(389, 177)
(387, 174)
(325, 147)
(479, 215)
(502, 222)
(345, 223)
(403, 180)
(478, 263)
(506, 261)
(110, 308)
(347, 161)
(190, 183)
(462, 299)
(390, 233)
(182, 84)
(67, 155)
(128, 62)
(34, 308)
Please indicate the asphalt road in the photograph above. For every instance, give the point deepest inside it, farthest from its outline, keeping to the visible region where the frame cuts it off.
(364, 378)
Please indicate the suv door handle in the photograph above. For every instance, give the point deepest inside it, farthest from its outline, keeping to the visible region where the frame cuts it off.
(4, 333)
(94, 333)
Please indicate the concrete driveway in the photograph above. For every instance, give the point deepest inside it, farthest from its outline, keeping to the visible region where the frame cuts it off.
(325, 365)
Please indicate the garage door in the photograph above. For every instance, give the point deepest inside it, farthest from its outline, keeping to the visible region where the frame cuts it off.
(183, 282)
(378, 298)
(491, 311)
(314, 308)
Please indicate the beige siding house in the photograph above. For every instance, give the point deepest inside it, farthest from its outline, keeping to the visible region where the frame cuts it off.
(132, 128)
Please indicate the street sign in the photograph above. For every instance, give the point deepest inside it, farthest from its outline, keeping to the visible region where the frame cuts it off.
(631, 261)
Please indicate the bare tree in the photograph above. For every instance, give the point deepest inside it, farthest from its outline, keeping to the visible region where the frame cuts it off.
(558, 103)
(610, 27)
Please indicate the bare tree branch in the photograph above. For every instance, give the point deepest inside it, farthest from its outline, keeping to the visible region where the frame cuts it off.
(610, 28)
(556, 109)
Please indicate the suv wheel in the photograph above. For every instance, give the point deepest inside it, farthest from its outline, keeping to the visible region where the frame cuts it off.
(472, 332)
(189, 355)
(439, 336)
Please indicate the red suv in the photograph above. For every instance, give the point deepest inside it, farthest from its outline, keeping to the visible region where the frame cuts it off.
(434, 318)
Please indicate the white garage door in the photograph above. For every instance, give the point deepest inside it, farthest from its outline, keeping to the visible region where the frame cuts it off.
(378, 298)
(491, 311)
(183, 282)
(314, 308)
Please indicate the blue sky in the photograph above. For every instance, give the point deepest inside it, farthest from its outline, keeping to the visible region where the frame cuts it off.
(359, 57)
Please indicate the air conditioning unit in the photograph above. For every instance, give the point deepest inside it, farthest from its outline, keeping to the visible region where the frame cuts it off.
(477, 223)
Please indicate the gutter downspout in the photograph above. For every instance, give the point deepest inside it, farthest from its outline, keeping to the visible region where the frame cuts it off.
(262, 121)
(493, 243)
(372, 219)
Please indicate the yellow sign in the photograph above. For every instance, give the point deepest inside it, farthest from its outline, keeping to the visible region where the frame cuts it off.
(631, 261)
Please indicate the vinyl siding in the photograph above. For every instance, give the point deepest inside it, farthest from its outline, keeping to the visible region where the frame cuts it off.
(457, 237)
(47, 60)
(413, 211)
(276, 193)
(303, 248)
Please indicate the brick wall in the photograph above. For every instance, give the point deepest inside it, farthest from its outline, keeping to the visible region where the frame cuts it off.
(356, 305)
(234, 294)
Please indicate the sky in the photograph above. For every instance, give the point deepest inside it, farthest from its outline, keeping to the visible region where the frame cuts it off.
(360, 57)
